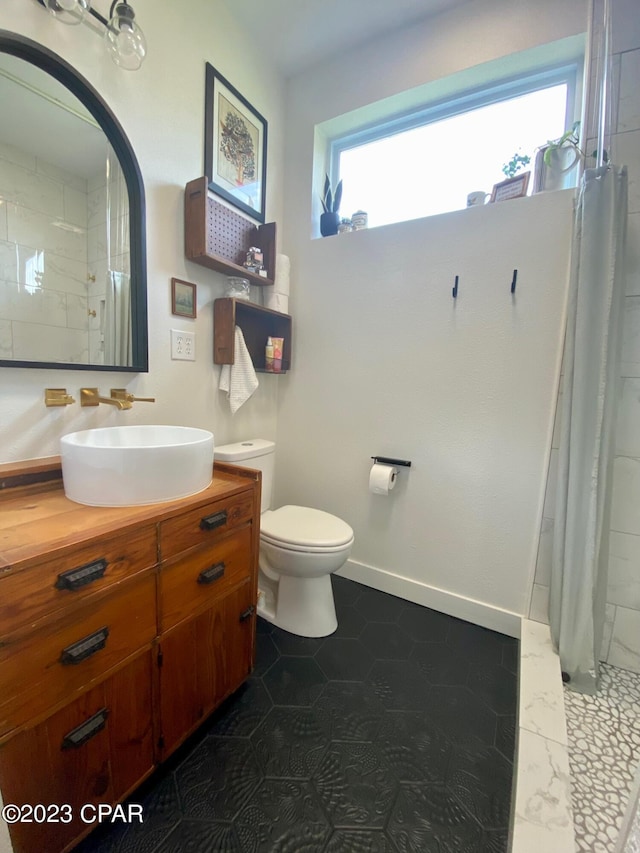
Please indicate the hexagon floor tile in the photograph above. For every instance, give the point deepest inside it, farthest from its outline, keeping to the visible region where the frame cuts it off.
(395, 735)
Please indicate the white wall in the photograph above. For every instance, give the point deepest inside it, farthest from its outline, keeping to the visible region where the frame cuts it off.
(388, 363)
(161, 108)
(329, 418)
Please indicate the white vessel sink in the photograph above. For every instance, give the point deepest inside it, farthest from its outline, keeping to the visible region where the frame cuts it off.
(134, 465)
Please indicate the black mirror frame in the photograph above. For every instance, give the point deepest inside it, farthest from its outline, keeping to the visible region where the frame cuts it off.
(52, 64)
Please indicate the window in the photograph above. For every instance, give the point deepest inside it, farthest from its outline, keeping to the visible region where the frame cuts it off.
(427, 162)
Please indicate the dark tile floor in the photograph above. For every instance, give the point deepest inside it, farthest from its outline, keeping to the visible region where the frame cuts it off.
(394, 735)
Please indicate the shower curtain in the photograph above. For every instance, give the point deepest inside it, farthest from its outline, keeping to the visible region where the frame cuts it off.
(591, 370)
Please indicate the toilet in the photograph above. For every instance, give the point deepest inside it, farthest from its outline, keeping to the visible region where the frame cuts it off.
(300, 547)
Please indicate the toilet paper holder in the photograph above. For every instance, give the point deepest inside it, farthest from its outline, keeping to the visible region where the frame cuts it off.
(386, 460)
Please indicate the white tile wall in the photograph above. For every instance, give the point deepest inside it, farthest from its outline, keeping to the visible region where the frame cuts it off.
(43, 260)
(626, 152)
(624, 650)
(633, 255)
(629, 104)
(624, 570)
(631, 335)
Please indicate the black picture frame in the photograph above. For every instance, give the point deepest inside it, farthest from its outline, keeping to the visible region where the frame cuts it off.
(248, 143)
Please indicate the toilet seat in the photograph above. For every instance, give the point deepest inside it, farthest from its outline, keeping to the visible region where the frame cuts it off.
(300, 528)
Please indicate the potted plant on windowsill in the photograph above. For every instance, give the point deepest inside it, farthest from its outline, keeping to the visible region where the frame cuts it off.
(516, 181)
(330, 218)
(556, 159)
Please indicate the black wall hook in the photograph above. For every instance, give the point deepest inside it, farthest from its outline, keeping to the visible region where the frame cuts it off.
(454, 292)
(513, 281)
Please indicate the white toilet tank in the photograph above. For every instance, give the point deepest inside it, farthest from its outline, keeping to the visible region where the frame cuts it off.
(256, 453)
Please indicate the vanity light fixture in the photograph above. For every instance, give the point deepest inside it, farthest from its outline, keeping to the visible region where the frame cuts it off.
(124, 40)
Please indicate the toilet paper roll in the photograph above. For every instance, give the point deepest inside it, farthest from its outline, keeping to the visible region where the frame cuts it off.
(382, 479)
(278, 302)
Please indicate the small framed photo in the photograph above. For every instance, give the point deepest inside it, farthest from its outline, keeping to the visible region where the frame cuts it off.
(235, 146)
(511, 188)
(183, 298)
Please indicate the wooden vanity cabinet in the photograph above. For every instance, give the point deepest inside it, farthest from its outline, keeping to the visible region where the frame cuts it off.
(116, 639)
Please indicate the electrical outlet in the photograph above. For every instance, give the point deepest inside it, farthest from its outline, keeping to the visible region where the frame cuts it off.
(183, 345)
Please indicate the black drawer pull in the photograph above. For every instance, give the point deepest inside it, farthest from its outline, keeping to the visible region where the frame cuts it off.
(77, 578)
(84, 648)
(247, 614)
(85, 731)
(213, 573)
(210, 522)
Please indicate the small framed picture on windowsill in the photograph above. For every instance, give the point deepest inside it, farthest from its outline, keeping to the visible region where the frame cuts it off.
(183, 298)
(511, 188)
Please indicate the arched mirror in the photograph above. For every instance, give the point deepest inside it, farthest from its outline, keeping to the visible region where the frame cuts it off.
(72, 230)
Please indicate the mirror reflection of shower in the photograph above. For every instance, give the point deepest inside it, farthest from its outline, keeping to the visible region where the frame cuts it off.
(65, 257)
(114, 269)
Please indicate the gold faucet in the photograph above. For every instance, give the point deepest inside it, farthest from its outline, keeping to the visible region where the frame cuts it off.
(91, 397)
(123, 394)
(57, 397)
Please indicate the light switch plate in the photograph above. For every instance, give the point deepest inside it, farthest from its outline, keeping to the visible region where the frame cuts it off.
(183, 345)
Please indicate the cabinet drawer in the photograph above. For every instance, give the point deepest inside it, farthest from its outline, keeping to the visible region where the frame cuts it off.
(92, 751)
(47, 665)
(203, 576)
(64, 581)
(204, 524)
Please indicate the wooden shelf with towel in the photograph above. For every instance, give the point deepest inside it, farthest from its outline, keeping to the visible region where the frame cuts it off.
(257, 324)
(217, 237)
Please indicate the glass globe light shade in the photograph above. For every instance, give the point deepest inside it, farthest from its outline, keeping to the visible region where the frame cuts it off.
(68, 11)
(125, 40)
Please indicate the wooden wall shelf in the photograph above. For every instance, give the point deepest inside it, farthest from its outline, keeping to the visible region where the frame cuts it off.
(257, 324)
(217, 237)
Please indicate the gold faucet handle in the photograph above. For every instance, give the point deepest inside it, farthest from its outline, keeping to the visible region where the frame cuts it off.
(57, 397)
(123, 394)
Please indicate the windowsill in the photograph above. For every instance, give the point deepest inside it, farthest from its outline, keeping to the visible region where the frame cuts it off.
(446, 213)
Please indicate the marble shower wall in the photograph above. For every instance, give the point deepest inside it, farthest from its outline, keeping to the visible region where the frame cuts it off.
(621, 645)
(43, 260)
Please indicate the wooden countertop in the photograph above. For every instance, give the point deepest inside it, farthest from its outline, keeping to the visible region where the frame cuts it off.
(37, 521)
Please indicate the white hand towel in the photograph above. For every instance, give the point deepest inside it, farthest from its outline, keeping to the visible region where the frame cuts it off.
(239, 379)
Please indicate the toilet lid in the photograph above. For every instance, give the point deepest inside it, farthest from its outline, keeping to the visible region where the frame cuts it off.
(302, 526)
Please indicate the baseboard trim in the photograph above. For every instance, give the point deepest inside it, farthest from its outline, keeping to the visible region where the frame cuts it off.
(478, 612)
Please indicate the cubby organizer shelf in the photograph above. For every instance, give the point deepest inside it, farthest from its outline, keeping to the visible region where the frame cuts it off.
(217, 237)
(257, 324)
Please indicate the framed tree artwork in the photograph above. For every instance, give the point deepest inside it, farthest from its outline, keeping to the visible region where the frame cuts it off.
(235, 146)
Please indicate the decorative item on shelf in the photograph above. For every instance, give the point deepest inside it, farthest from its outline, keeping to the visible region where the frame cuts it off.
(330, 218)
(254, 260)
(183, 298)
(516, 184)
(359, 220)
(123, 37)
(235, 146)
(238, 288)
(344, 226)
(476, 198)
